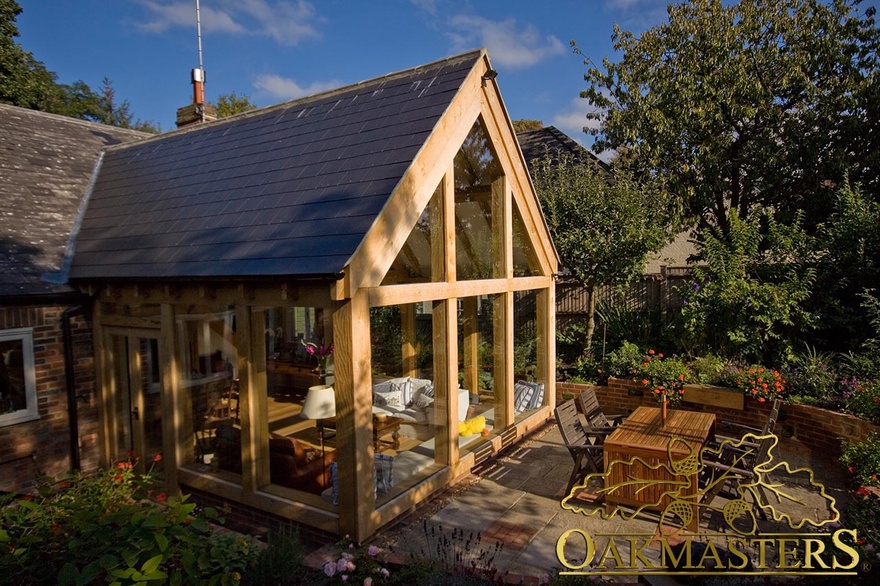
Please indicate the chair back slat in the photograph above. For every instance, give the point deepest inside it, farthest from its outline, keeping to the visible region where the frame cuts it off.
(573, 432)
(592, 411)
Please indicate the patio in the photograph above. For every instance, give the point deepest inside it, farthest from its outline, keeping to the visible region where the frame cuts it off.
(516, 498)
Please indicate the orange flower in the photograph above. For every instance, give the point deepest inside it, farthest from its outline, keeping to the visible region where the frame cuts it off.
(651, 352)
(660, 356)
(644, 381)
(761, 399)
(681, 377)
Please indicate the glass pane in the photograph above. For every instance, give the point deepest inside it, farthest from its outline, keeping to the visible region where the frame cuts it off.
(301, 404)
(476, 365)
(13, 390)
(405, 419)
(208, 356)
(413, 263)
(528, 390)
(476, 169)
(525, 262)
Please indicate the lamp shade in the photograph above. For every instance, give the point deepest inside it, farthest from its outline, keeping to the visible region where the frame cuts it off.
(320, 403)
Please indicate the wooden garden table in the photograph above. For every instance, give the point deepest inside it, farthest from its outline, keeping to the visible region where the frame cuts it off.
(643, 434)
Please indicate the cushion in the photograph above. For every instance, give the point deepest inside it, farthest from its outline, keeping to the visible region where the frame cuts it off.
(428, 390)
(523, 395)
(422, 402)
(388, 398)
(404, 387)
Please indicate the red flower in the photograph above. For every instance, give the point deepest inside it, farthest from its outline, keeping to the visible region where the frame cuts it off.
(157, 458)
(161, 497)
(644, 381)
(681, 377)
(651, 352)
(660, 356)
(761, 399)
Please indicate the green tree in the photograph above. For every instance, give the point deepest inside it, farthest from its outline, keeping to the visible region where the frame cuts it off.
(231, 104)
(848, 263)
(746, 106)
(527, 124)
(110, 111)
(25, 82)
(747, 301)
(603, 226)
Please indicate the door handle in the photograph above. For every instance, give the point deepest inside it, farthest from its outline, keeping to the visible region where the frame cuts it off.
(135, 414)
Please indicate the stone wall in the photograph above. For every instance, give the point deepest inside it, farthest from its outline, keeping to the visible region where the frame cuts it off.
(818, 429)
(43, 446)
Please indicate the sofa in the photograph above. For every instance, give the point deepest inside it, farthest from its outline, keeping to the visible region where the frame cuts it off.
(290, 463)
(412, 399)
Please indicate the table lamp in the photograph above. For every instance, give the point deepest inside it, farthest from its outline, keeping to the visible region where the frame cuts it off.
(320, 404)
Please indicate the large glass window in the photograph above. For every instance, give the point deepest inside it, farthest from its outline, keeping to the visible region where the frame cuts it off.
(528, 389)
(208, 358)
(478, 196)
(18, 389)
(414, 262)
(405, 419)
(476, 365)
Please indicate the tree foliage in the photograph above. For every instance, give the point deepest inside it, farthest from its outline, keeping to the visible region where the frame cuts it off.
(525, 124)
(746, 106)
(25, 82)
(231, 104)
(603, 226)
(746, 301)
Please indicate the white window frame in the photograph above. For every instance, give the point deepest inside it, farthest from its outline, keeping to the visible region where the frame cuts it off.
(30, 412)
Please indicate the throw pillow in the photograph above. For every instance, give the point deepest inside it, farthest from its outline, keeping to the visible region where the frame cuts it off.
(387, 399)
(428, 390)
(523, 395)
(404, 388)
(384, 472)
(422, 402)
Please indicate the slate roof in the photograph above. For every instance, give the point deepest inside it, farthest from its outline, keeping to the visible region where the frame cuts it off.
(45, 165)
(287, 190)
(535, 143)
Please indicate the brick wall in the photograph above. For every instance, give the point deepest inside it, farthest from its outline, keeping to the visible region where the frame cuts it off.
(819, 429)
(43, 446)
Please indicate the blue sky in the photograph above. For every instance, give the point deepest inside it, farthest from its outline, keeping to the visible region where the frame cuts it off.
(277, 50)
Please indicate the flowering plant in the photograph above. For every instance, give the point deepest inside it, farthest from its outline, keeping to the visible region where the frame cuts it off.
(320, 352)
(761, 383)
(357, 565)
(665, 377)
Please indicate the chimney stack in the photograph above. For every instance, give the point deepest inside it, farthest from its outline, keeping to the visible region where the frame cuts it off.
(198, 111)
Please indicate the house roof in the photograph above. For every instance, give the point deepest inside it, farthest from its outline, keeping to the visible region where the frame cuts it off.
(286, 190)
(536, 143)
(45, 165)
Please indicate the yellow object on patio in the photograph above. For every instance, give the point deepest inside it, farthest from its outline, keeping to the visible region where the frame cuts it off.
(472, 426)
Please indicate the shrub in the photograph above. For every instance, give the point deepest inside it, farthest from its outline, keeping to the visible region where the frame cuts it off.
(706, 369)
(862, 398)
(357, 565)
(863, 460)
(663, 376)
(761, 383)
(621, 362)
(813, 375)
(102, 529)
(282, 562)
(863, 515)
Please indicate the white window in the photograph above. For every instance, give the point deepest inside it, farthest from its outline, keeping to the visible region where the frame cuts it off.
(18, 387)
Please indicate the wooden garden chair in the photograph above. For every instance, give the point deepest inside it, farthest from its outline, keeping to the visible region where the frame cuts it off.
(584, 446)
(597, 421)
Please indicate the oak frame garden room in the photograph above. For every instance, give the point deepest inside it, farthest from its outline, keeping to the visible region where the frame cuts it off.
(392, 220)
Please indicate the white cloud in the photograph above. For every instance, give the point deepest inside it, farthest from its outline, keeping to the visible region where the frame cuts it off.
(287, 22)
(573, 119)
(508, 45)
(283, 88)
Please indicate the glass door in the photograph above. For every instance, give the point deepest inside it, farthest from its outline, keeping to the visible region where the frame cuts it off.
(136, 399)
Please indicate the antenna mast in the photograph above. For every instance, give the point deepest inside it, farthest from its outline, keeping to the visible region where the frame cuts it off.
(198, 75)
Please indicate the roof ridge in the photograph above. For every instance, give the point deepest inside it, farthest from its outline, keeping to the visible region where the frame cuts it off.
(470, 54)
(72, 120)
